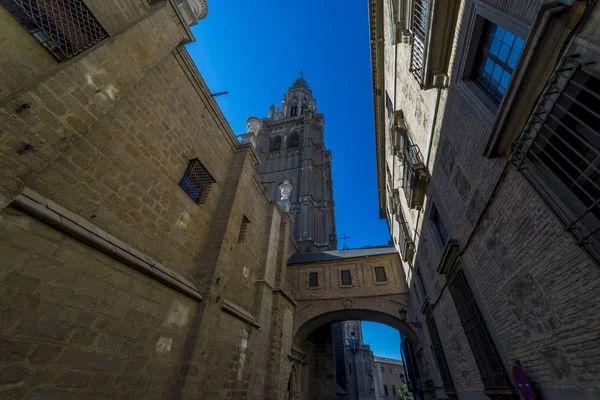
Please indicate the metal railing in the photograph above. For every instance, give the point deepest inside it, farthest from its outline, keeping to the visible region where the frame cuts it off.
(405, 242)
(64, 27)
(196, 181)
(420, 26)
(559, 151)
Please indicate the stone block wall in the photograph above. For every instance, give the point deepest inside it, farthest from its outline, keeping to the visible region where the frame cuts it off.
(76, 323)
(532, 283)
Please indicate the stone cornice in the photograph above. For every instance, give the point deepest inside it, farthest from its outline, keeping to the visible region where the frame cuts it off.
(377, 71)
(72, 224)
(239, 313)
(285, 294)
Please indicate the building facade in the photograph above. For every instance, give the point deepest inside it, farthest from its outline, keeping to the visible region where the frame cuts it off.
(390, 378)
(291, 148)
(136, 261)
(487, 160)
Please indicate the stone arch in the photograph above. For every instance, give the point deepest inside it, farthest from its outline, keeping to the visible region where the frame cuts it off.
(384, 309)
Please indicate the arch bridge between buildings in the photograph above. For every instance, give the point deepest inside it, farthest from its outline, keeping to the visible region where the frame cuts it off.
(357, 284)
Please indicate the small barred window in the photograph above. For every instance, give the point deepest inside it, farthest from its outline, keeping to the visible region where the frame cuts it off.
(380, 274)
(243, 227)
(196, 181)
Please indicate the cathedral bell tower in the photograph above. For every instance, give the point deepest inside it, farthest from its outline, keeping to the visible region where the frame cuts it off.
(291, 148)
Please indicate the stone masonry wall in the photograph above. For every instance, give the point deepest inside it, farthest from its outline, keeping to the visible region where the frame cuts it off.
(533, 285)
(77, 324)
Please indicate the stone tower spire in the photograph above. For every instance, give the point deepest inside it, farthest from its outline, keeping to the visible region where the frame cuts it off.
(291, 148)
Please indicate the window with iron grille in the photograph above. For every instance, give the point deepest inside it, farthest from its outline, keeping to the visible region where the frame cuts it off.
(420, 28)
(65, 28)
(439, 224)
(393, 390)
(497, 55)
(486, 357)
(196, 181)
(346, 277)
(440, 356)
(559, 151)
(313, 279)
(414, 176)
(243, 227)
(385, 390)
(380, 274)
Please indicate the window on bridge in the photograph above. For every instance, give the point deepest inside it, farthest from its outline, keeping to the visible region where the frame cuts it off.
(380, 274)
(346, 277)
(313, 279)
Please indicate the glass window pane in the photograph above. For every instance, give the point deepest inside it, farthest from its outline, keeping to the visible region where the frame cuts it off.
(495, 47)
(509, 38)
(518, 45)
(499, 33)
(504, 52)
(504, 82)
(513, 58)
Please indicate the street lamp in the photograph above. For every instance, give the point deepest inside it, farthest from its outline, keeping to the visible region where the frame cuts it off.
(403, 313)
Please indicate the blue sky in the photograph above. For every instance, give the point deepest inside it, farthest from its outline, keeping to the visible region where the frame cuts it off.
(255, 49)
(384, 340)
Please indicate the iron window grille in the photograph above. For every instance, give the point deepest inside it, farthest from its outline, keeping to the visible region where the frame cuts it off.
(405, 243)
(243, 228)
(558, 151)
(497, 55)
(380, 275)
(486, 356)
(196, 181)
(65, 28)
(346, 277)
(313, 279)
(385, 390)
(440, 357)
(415, 175)
(420, 27)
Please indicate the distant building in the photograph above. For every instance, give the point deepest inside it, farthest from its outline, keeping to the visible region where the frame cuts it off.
(354, 365)
(291, 148)
(390, 378)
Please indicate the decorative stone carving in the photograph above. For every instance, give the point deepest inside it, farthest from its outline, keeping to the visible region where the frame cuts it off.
(199, 7)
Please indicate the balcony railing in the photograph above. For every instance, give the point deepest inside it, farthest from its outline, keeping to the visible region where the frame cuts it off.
(63, 27)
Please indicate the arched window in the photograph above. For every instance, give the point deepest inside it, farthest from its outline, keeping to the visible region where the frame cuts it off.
(275, 143)
(293, 111)
(293, 140)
